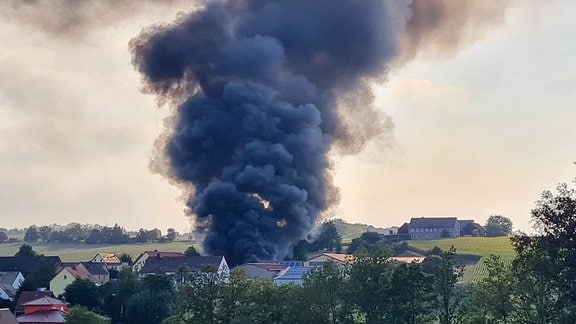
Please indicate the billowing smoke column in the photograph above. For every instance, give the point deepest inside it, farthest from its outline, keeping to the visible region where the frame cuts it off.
(257, 84)
(264, 89)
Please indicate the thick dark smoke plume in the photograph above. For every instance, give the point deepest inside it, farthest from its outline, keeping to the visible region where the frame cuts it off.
(263, 90)
(258, 86)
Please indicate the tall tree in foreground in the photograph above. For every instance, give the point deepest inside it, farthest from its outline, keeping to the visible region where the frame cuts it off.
(326, 288)
(550, 259)
(446, 273)
(413, 294)
(369, 287)
(493, 299)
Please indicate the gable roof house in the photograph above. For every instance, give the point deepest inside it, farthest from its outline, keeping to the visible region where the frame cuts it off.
(141, 259)
(430, 228)
(473, 229)
(337, 258)
(98, 271)
(175, 264)
(44, 310)
(53, 316)
(404, 232)
(10, 281)
(111, 260)
(45, 303)
(262, 270)
(95, 272)
(27, 296)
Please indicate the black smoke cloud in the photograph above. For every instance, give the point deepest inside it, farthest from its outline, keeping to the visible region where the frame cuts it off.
(264, 90)
(257, 87)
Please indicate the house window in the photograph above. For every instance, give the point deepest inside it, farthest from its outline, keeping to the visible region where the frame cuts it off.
(65, 277)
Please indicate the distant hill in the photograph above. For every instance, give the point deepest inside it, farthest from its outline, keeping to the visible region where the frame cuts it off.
(349, 231)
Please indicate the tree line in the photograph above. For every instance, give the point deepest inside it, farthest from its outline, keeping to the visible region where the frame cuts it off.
(90, 234)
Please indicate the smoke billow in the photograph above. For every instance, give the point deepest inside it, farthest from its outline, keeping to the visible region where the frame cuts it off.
(257, 85)
(263, 90)
(440, 28)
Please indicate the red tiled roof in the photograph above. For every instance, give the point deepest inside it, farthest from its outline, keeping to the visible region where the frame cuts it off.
(27, 296)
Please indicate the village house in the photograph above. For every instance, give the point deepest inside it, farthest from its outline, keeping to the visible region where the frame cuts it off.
(92, 271)
(141, 259)
(10, 281)
(44, 310)
(27, 296)
(430, 228)
(183, 263)
(473, 229)
(292, 275)
(282, 272)
(263, 270)
(337, 258)
(111, 260)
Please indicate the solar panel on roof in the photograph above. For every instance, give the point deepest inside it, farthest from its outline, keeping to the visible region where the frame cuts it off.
(296, 272)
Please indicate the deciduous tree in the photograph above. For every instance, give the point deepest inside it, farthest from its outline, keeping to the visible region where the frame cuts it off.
(82, 292)
(31, 234)
(497, 225)
(26, 250)
(325, 287)
(81, 315)
(446, 273)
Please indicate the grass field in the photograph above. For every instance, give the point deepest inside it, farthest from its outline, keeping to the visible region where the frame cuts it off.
(477, 246)
(480, 270)
(85, 252)
(475, 250)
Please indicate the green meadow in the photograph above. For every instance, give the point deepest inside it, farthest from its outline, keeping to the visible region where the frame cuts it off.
(473, 246)
(84, 252)
(475, 250)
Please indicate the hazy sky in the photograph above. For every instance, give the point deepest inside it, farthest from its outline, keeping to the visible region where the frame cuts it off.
(481, 132)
